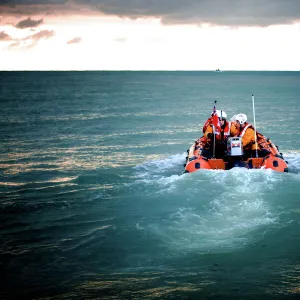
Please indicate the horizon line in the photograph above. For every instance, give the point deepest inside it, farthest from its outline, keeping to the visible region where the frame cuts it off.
(145, 70)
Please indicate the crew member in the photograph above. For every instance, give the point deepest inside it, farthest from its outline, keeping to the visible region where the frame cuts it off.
(216, 136)
(249, 137)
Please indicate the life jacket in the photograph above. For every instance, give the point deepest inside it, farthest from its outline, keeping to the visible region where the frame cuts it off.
(260, 139)
(220, 136)
(263, 143)
(224, 134)
(209, 121)
(226, 130)
(248, 125)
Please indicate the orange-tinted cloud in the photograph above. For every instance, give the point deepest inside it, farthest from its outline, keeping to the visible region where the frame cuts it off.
(75, 40)
(121, 39)
(16, 44)
(32, 40)
(4, 36)
(44, 34)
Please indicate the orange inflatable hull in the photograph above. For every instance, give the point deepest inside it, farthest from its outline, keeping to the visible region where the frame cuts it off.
(195, 162)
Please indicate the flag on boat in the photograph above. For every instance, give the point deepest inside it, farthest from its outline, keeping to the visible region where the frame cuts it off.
(216, 122)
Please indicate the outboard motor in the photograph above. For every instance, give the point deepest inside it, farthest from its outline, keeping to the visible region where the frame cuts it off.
(235, 152)
(235, 146)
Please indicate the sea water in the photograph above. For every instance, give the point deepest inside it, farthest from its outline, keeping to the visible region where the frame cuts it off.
(95, 203)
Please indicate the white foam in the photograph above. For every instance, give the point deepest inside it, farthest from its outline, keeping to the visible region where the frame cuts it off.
(293, 158)
(215, 209)
(163, 163)
(212, 209)
(226, 224)
(160, 167)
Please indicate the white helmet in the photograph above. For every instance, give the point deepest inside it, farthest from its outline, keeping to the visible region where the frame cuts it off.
(221, 114)
(242, 118)
(233, 118)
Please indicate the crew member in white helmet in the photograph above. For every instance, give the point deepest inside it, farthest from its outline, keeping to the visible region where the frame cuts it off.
(221, 134)
(247, 133)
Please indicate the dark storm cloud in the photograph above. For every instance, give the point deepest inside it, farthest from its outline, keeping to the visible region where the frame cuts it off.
(4, 36)
(28, 23)
(32, 2)
(220, 12)
(34, 7)
(75, 40)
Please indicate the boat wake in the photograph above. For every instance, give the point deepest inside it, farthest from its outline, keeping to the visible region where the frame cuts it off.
(210, 210)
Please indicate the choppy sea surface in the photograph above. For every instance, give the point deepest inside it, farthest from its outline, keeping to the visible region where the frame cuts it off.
(95, 204)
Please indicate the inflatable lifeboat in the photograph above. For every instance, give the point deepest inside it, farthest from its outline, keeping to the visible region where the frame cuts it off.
(234, 157)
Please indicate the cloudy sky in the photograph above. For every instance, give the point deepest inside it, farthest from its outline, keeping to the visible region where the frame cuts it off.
(149, 34)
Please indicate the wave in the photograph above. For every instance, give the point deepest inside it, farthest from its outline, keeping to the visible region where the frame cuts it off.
(210, 209)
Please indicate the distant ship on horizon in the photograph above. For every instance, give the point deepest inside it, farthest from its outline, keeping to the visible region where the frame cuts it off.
(218, 70)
